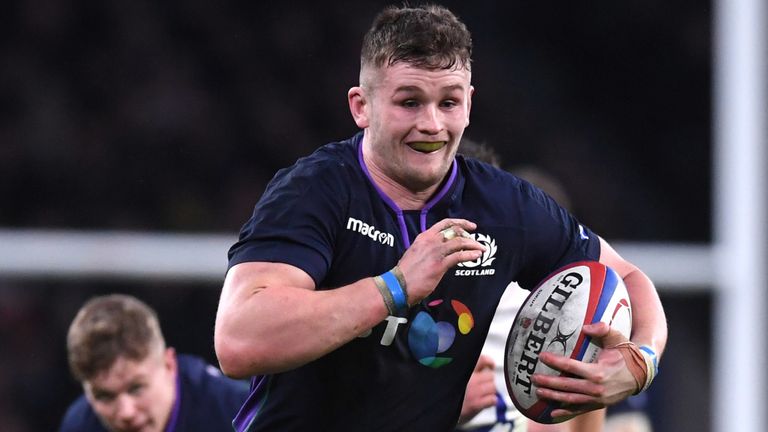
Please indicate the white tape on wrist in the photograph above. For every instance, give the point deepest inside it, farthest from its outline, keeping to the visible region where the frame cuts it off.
(651, 365)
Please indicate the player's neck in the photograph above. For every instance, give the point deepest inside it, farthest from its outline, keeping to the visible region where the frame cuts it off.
(402, 196)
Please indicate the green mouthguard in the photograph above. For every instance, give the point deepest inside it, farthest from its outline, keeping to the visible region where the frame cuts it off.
(427, 146)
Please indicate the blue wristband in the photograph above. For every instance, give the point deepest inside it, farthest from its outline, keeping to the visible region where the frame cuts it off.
(398, 294)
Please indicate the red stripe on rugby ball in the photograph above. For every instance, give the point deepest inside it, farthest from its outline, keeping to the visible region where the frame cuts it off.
(597, 278)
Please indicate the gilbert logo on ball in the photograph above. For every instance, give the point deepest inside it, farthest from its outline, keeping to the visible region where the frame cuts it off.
(551, 320)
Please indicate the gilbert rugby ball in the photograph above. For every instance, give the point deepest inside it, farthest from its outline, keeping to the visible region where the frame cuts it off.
(551, 320)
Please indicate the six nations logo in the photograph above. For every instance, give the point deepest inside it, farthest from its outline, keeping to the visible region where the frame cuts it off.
(480, 267)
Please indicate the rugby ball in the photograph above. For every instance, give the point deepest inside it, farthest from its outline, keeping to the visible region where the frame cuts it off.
(551, 319)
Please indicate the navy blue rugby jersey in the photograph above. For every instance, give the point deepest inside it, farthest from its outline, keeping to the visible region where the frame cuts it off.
(208, 402)
(325, 216)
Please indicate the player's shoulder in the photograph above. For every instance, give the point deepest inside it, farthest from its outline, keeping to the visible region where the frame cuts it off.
(331, 156)
(196, 369)
(80, 417)
(191, 365)
(209, 399)
(198, 373)
(329, 166)
(489, 178)
(508, 194)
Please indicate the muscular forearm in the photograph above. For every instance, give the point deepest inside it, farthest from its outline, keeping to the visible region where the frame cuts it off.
(649, 323)
(265, 327)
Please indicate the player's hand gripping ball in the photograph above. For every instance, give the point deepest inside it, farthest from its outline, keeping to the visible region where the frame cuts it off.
(551, 319)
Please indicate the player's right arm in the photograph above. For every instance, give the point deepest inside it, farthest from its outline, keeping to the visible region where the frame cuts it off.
(271, 318)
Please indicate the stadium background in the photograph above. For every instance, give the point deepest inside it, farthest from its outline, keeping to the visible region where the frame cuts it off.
(160, 117)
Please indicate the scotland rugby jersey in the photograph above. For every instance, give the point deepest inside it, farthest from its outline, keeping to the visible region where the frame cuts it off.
(207, 401)
(325, 216)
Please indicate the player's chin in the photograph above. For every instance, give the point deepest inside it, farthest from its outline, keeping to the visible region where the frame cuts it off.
(437, 163)
(420, 175)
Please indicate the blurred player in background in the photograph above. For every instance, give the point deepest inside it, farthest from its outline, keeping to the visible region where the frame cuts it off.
(133, 382)
(629, 415)
(487, 405)
(349, 296)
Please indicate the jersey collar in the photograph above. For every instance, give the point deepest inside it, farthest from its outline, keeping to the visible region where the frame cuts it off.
(443, 196)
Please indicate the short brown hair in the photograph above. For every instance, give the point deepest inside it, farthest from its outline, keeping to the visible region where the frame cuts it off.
(108, 327)
(428, 37)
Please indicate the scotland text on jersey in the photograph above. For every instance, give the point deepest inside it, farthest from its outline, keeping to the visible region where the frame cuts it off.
(480, 266)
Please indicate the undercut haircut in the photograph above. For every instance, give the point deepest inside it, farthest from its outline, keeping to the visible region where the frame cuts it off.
(427, 37)
(109, 327)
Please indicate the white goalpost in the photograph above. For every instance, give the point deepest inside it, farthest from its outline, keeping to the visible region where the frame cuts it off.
(203, 257)
(740, 235)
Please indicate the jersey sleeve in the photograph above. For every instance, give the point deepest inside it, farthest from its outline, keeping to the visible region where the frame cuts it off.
(296, 220)
(554, 238)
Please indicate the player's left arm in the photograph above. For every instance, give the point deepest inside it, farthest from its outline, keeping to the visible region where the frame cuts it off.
(649, 323)
(622, 368)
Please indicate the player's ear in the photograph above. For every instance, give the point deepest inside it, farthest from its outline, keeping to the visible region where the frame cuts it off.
(358, 106)
(169, 360)
(469, 103)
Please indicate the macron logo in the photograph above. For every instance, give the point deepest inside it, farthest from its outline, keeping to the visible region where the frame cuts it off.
(370, 232)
